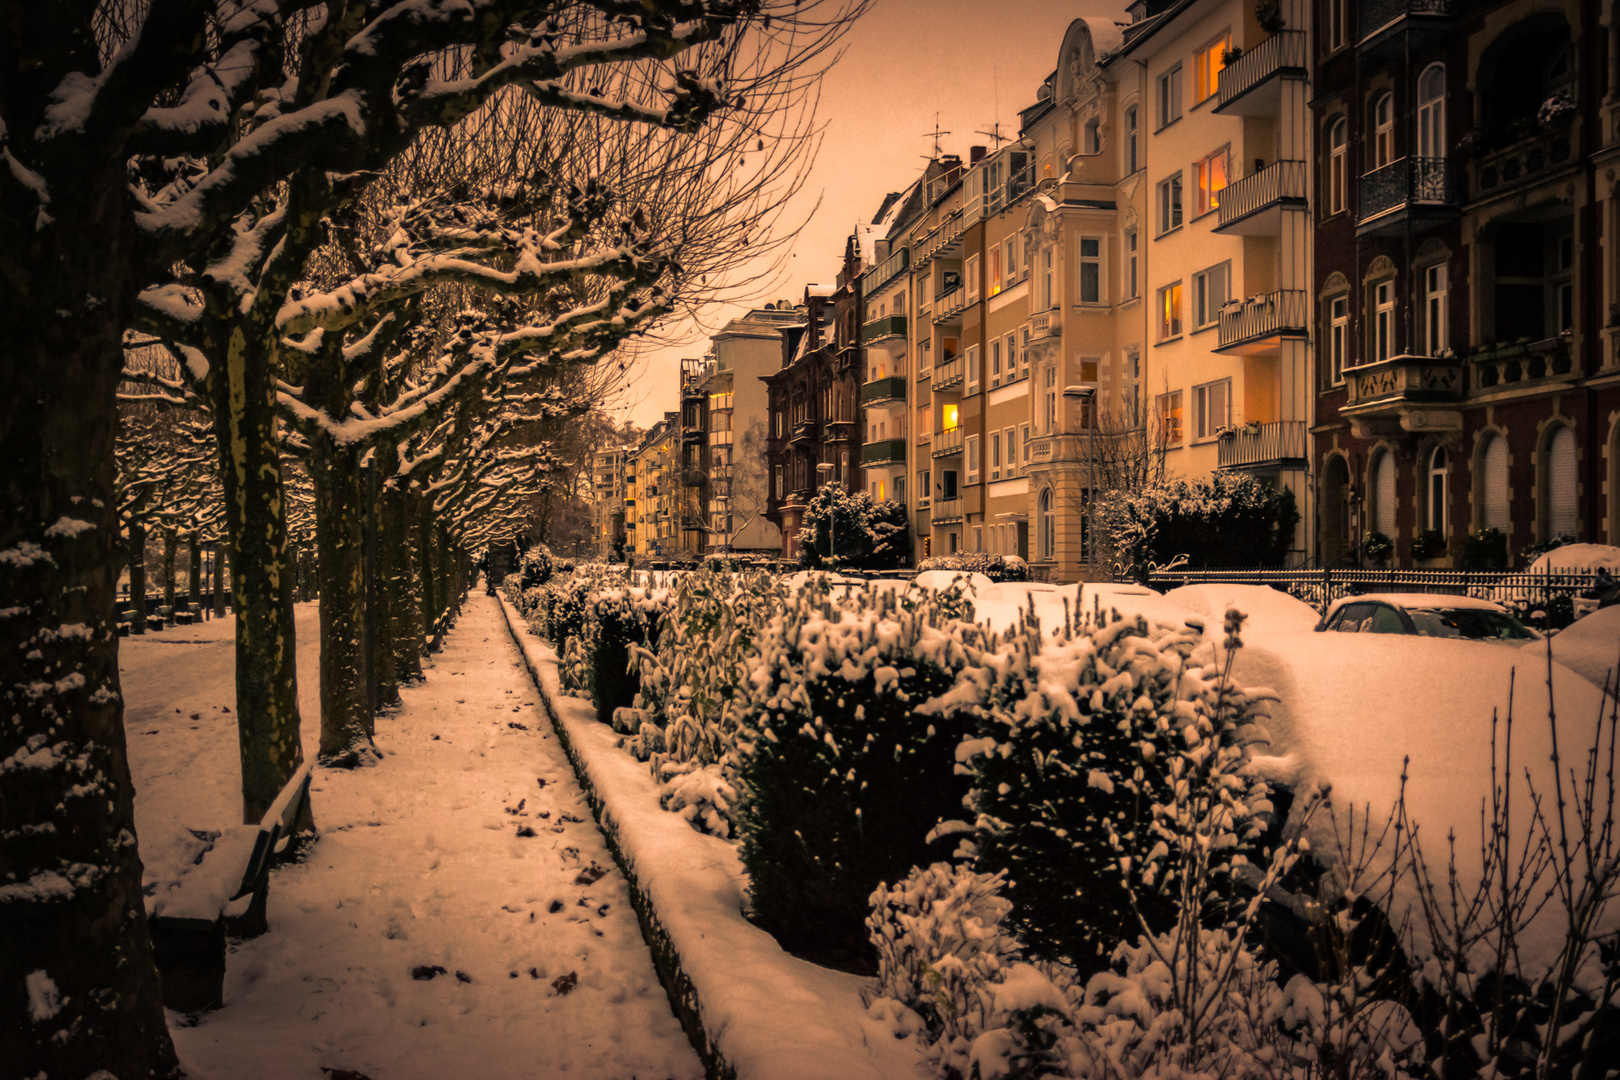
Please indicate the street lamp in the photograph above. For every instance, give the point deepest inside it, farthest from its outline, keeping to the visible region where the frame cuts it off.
(825, 468)
(1089, 393)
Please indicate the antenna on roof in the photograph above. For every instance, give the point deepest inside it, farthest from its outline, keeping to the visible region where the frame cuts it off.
(995, 134)
(935, 134)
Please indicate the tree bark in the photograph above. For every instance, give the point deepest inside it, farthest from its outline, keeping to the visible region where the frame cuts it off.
(78, 989)
(381, 595)
(170, 542)
(195, 545)
(404, 632)
(219, 580)
(137, 578)
(340, 570)
(261, 574)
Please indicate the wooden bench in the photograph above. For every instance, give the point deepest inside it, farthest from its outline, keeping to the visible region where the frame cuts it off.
(225, 894)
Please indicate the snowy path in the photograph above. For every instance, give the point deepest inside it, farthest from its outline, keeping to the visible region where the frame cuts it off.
(470, 848)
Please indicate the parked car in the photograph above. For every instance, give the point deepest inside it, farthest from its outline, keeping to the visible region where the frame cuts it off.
(1425, 616)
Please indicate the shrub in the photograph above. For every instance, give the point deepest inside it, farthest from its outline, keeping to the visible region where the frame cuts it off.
(1227, 520)
(618, 621)
(536, 566)
(994, 567)
(1377, 547)
(1082, 740)
(840, 776)
(1428, 544)
(1485, 550)
(852, 530)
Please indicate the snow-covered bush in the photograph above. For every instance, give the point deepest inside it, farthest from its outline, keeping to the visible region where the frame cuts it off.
(840, 775)
(994, 567)
(536, 566)
(1098, 751)
(1227, 520)
(852, 530)
(618, 622)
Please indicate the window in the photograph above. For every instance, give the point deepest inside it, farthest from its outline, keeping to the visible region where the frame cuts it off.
(947, 484)
(1493, 462)
(1335, 24)
(995, 455)
(1170, 311)
(1010, 351)
(992, 281)
(1086, 407)
(924, 491)
(1169, 100)
(776, 424)
(1009, 260)
(1207, 65)
(1383, 130)
(948, 415)
(779, 483)
(995, 362)
(1091, 270)
(1559, 483)
(1170, 416)
(1091, 137)
(1431, 116)
(1169, 203)
(1211, 288)
(1023, 439)
(1383, 320)
(1437, 501)
(1338, 337)
(1383, 493)
(1212, 408)
(1130, 140)
(970, 457)
(970, 364)
(1048, 526)
(1434, 309)
(1338, 165)
(1049, 398)
(1048, 300)
(971, 269)
(1023, 351)
(1212, 176)
(1131, 284)
(1012, 451)
(1563, 288)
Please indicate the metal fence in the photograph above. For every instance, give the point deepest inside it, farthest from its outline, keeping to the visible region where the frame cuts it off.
(1546, 598)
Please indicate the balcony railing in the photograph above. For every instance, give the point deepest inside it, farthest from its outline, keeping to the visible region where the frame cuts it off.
(948, 306)
(947, 510)
(1384, 385)
(1263, 444)
(885, 271)
(947, 442)
(1376, 15)
(881, 390)
(1411, 180)
(1279, 184)
(1521, 161)
(1283, 51)
(805, 430)
(883, 452)
(889, 326)
(1285, 313)
(948, 374)
(1045, 324)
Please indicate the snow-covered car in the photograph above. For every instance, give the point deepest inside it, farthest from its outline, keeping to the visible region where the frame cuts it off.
(1425, 616)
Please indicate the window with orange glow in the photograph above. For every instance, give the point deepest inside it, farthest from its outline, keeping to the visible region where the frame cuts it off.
(1208, 64)
(1213, 172)
(947, 417)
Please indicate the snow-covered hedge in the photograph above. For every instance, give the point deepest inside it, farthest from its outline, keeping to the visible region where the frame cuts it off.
(1227, 520)
(995, 567)
(841, 774)
(852, 530)
(618, 623)
(1095, 749)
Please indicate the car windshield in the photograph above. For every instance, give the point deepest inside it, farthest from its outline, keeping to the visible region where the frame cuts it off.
(1468, 623)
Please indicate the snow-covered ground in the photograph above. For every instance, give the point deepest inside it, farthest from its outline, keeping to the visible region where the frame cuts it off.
(469, 849)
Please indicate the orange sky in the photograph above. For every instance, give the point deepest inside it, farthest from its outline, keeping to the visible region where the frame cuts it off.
(971, 62)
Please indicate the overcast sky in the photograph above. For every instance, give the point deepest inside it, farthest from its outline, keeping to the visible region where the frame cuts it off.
(971, 63)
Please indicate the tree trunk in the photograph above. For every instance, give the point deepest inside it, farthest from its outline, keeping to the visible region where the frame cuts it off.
(394, 540)
(78, 990)
(196, 583)
(426, 572)
(382, 598)
(137, 578)
(261, 575)
(340, 569)
(170, 542)
(219, 580)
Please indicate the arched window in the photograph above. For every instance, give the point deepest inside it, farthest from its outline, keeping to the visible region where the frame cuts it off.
(1048, 527)
(1383, 494)
(1559, 484)
(1383, 117)
(1492, 489)
(1338, 165)
(1438, 490)
(1431, 117)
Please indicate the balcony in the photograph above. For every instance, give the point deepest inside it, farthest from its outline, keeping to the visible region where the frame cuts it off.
(881, 391)
(948, 307)
(1523, 361)
(890, 326)
(884, 452)
(805, 431)
(921, 519)
(947, 511)
(1260, 323)
(694, 433)
(947, 443)
(1254, 205)
(885, 271)
(1404, 394)
(949, 374)
(1046, 325)
(1259, 446)
(1526, 160)
(1410, 187)
(945, 241)
(1251, 85)
(1383, 24)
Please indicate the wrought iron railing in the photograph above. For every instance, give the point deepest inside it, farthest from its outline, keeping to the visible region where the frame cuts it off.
(1263, 444)
(1375, 15)
(1278, 182)
(1281, 51)
(1421, 180)
(1286, 311)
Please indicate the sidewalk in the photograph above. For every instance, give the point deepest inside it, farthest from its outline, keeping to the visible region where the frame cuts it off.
(460, 914)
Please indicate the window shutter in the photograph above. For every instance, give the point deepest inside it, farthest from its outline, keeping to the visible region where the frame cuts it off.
(1384, 495)
(1561, 507)
(1495, 478)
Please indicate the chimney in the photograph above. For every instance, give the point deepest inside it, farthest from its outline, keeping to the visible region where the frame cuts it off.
(975, 154)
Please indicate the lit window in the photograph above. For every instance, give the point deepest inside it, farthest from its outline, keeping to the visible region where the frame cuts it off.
(992, 281)
(947, 417)
(1212, 404)
(1207, 65)
(1170, 311)
(1211, 288)
(1212, 178)
(1170, 416)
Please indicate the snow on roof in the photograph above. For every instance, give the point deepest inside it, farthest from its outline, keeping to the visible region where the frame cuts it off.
(819, 291)
(1106, 35)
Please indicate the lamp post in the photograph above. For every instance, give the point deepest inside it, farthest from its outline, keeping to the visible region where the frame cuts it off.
(1089, 393)
(825, 468)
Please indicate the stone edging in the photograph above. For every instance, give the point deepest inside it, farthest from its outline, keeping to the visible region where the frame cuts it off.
(683, 995)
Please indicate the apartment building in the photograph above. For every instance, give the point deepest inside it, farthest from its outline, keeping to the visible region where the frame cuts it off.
(1466, 289)
(654, 484)
(811, 412)
(609, 486)
(729, 386)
